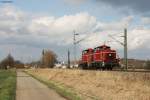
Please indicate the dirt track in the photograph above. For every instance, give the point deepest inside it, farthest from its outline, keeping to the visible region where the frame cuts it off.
(29, 88)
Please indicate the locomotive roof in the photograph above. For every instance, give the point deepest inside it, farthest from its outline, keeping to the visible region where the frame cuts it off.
(103, 46)
(88, 49)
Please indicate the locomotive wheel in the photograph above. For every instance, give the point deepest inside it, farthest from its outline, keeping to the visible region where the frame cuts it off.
(109, 68)
(103, 68)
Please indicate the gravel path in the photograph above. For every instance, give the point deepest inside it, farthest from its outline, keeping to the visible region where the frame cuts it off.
(29, 88)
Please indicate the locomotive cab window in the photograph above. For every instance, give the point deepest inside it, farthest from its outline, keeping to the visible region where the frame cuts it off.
(97, 49)
(104, 47)
(84, 52)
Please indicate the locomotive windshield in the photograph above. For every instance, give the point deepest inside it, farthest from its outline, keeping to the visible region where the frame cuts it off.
(85, 51)
(104, 47)
(97, 49)
(101, 48)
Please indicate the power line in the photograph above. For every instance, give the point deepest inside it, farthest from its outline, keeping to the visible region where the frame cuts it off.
(68, 58)
(125, 49)
(74, 43)
(116, 40)
(124, 44)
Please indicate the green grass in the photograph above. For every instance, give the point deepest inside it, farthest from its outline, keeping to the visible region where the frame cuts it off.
(7, 84)
(59, 88)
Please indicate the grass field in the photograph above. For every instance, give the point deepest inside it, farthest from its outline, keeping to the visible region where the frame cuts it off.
(100, 85)
(7, 84)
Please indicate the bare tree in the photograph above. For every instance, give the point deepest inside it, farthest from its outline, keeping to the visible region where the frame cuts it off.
(48, 58)
(8, 62)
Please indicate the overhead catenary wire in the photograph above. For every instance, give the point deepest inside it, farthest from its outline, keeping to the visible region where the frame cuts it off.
(124, 44)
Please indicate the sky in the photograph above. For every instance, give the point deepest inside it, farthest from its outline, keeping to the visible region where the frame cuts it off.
(29, 26)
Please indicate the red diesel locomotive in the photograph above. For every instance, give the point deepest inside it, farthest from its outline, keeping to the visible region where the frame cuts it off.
(101, 57)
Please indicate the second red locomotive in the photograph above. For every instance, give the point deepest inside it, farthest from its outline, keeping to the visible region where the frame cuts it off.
(101, 57)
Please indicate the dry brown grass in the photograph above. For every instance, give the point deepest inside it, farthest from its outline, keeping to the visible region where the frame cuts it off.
(102, 85)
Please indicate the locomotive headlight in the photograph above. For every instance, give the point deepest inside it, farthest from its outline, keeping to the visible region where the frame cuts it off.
(110, 55)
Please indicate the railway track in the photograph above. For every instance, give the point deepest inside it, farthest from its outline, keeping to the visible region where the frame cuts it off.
(122, 70)
(142, 71)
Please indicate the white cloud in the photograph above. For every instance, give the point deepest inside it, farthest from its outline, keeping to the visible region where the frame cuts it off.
(117, 25)
(75, 1)
(105, 29)
(139, 38)
(20, 28)
(62, 27)
(146, 20)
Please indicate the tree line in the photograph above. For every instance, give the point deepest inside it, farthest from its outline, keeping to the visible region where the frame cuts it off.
(10, 62)
(48, 59)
